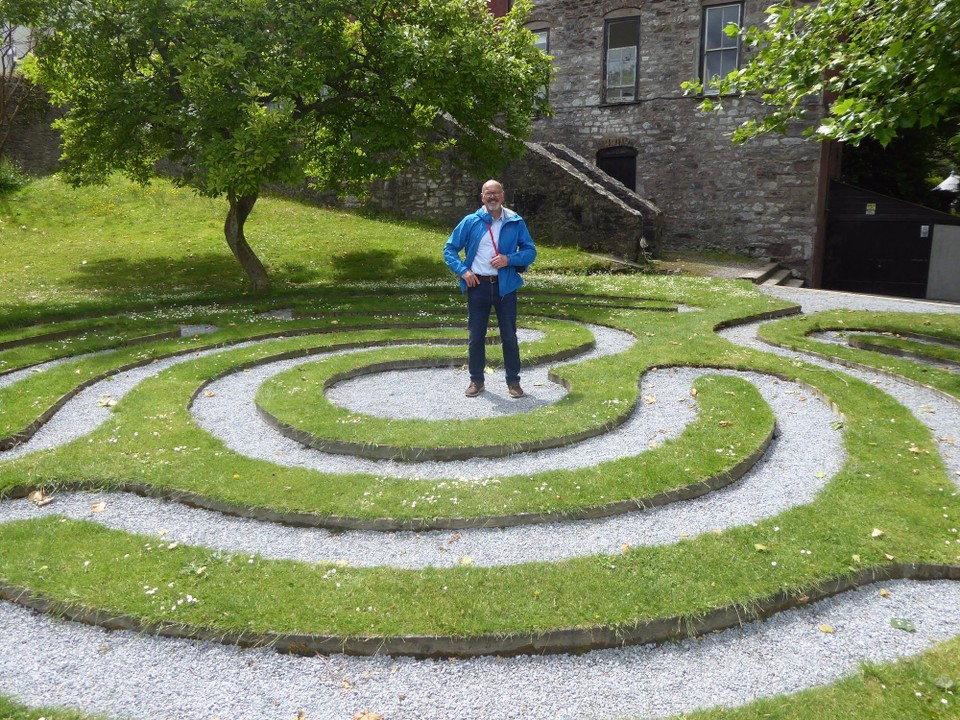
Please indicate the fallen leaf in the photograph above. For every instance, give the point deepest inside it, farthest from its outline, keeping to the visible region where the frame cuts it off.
(760, 547)
(820, 474)
(367, 715)
(694, 392)
(106, 401)
(724, 423)
(826, 629)
(98, 506)
(888, 557)
(945, 683)
(903, 624)
(208, 393)
(855, 558)
(884, 593)
(649, 399)
(625, 548)
(877, 532)
(39, 498)
(466, 560)
(346, 684)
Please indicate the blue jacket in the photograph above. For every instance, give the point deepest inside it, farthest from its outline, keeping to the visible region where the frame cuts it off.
(515, 243)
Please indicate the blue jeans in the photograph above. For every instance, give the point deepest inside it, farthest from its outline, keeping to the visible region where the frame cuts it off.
(480, 300)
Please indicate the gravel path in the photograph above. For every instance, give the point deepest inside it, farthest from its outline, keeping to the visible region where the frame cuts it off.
(788, 475)
(121, 674)
(45, 661)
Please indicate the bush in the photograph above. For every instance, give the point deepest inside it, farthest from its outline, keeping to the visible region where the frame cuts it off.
(12, 178)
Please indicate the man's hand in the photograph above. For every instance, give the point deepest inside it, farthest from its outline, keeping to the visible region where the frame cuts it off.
(471, 278)
(500, 261)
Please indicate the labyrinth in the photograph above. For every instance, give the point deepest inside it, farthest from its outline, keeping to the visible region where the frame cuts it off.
(287, 508)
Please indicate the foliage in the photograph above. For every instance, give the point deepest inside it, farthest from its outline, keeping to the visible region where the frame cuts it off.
(239, 93)
(908, 167)
(881, 65)
(11, 177)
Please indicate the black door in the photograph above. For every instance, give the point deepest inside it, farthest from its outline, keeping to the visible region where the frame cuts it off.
(620, 163)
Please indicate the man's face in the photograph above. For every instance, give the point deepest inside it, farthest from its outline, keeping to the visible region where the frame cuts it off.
(492, 198)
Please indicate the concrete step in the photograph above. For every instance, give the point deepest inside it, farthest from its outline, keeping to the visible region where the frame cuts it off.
(794, 282)
(761, 274)
(779, 277)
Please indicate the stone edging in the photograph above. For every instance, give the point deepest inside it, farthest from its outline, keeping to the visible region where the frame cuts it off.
(345, 522)
(565, 641)
(899, 352)
(384, 524)
(853, 365)
(20, 437)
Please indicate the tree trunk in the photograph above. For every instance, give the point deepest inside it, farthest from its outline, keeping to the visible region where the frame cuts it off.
(233, 230)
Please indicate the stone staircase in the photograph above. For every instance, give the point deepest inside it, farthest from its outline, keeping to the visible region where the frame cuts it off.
(772, 274)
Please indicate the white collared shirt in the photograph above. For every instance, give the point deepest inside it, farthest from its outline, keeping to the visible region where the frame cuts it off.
(481, 263)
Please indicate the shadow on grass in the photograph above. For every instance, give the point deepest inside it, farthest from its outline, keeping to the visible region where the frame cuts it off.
(383, 265)
(123, 277)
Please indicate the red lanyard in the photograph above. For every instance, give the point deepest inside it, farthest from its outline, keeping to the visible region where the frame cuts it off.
(490, 229)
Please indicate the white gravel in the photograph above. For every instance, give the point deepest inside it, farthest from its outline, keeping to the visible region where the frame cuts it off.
(122, 674)
(787, 476)
(49, 662)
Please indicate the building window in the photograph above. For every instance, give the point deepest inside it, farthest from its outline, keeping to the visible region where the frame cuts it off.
(542, 41)
(622, 51)
(721, 52)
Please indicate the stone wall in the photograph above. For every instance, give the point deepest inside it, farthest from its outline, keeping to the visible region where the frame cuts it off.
(562, 204)
(32, 143)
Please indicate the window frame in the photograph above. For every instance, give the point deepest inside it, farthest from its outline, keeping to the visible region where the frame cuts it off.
(706, 53)
(605, 88)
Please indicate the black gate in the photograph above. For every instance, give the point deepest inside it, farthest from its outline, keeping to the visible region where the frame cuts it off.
(877, 244)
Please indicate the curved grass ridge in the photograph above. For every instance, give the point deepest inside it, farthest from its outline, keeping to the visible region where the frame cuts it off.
(922, 347)
(324, 498)
(553, 642)
(795, 334)
(715, 394)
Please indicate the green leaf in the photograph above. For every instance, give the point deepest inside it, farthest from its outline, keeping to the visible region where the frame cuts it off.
(903, 624)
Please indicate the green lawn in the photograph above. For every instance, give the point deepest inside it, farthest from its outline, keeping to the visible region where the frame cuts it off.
(111, 266)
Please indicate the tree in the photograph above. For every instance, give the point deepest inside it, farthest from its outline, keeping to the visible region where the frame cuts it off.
(881, 65)
(240, 93)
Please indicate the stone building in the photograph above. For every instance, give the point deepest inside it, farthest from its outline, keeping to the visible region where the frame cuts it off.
(617, 101)
(618, 104)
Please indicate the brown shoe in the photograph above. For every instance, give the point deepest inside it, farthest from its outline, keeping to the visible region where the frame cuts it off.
(474, 389)
(515, 391)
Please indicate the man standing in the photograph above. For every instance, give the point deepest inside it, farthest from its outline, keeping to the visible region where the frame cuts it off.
(497, 248)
